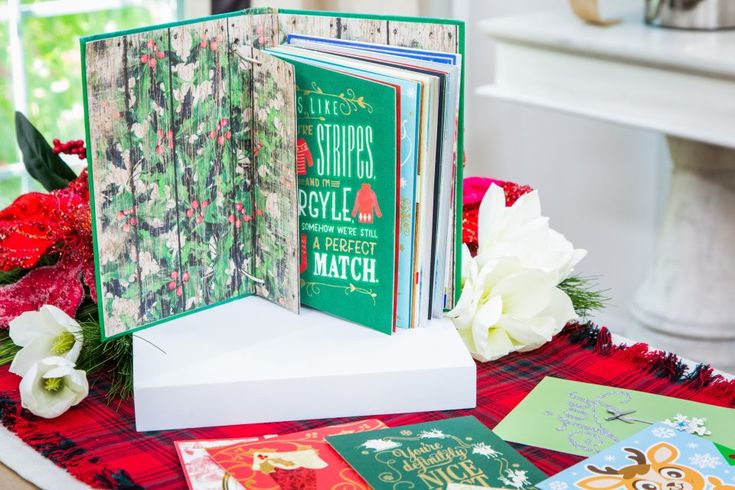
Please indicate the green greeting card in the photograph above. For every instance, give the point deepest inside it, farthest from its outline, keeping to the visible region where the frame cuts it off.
(583, 419)
(349, 164)
(433, 455)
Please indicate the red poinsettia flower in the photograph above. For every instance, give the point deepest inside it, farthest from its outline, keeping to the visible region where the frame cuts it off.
(474, 189)
(56, 224)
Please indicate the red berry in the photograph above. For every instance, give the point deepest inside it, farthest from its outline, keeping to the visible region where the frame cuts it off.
(213, 134)
(159, 149)
(205, 203)
(160, 55)
(151, 43)
(126, 212)
(169, 134)
(160, 133)
(171, 286)
(258, 212)
(56, 141)
(228, 134)
(82, 156)
(185, 277)
(174, 275)
(189, 213)
(133, 221)
(126, 227)
(231, 219)
(203, 44)
(120, 215)
(246, 218)
(221, 140)
(144, 59)
(223, 122)
(179, 291)
(213, 45)
(199, 220)
(194, 204)
(238, 223)
(238, 206)
(152, 62)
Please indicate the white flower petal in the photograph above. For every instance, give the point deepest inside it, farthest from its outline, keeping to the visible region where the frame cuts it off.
(487, 316)
(43, 403)
(498, 345)
(30, 325)
(525, 293)
(33, 352)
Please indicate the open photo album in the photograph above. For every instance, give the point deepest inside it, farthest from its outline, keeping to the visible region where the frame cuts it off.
(304, 157)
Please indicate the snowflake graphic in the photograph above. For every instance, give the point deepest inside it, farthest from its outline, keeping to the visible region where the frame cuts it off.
(610, 458)
(432, 434)
(558, 485)
(663, 432)
(485, 450)
(695, 425)
(403, 182)
(380, 444)
(704, 461)
(406, 432)
(515, 478)
(692, 445)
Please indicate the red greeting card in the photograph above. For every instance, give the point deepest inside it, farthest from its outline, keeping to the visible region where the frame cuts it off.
(302, 460)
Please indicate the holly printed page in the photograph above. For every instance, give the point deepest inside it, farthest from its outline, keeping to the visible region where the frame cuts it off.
(299, 460)
(191, 159)
(348, 163)
(433, 455)
(583, 419)
(657, 458)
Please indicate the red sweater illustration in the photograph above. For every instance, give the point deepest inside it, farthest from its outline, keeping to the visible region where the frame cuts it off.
(303, 157)
(365, 202)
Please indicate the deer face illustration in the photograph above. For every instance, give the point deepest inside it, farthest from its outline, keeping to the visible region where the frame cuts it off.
(656, 470)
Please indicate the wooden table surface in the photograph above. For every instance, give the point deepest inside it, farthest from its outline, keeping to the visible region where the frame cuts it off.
(9, 480)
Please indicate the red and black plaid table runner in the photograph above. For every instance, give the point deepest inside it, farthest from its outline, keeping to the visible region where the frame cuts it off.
(98, 444)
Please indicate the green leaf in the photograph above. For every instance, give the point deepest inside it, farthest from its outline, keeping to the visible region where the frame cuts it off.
(40, 160)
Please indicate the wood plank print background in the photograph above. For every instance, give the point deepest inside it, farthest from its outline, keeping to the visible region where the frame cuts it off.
(193, 160)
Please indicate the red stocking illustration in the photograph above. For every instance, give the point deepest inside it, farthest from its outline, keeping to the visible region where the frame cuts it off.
(304, 263)
(303, 157)
(365, 203)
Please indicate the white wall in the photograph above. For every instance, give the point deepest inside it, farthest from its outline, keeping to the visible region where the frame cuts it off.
(602, 185)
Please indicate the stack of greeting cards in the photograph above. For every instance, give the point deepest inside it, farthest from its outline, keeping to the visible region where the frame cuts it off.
(629, 438)
(361, 455)
(304, 157)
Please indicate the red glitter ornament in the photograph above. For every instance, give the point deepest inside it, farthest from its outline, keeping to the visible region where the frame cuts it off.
(56, 224)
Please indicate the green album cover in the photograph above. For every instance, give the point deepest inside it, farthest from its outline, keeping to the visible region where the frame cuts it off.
(433, 455)
(348, 166)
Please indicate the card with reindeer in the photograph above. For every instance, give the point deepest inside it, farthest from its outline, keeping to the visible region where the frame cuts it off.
(584, 418)
(657, 458)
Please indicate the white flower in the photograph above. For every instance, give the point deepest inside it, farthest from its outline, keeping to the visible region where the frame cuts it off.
(505, 308)
(520, 231)
(52, 386)
(44, 333)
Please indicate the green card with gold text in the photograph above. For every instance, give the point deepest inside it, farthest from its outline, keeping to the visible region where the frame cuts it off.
(432, 455)
(348, 166)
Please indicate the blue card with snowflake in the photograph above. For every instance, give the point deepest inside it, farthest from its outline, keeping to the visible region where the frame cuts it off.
(433, 455)
(659, 457)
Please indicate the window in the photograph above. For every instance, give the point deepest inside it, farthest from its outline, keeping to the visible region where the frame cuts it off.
(40, 68)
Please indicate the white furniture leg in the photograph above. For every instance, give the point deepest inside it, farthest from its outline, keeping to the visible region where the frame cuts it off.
(686, 304)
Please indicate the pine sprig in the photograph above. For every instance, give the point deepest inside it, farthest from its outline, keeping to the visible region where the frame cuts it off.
(114, 357)
(584, 294)
(7, 348)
